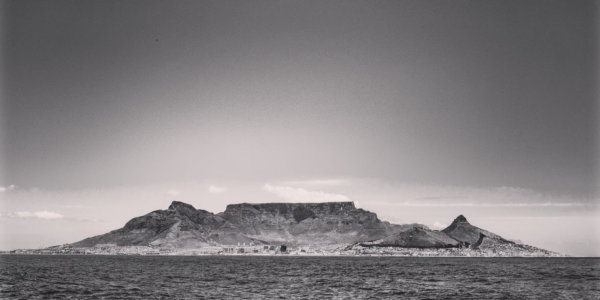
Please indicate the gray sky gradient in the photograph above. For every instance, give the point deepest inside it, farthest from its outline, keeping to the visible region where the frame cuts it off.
(464, 92)
(478, 94)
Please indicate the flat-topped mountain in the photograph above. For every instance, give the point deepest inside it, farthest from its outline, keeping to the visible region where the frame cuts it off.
(306, 223)
(182, 225)
(294, 224)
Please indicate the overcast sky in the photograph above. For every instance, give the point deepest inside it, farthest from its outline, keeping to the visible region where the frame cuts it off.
(215, 102)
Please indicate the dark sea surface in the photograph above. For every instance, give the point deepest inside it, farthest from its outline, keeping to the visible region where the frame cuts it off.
(217, 277)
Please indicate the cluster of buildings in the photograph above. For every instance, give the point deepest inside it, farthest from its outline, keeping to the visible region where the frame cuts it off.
(453, 252)
(113, 249)
(332, 250)
(99, 249)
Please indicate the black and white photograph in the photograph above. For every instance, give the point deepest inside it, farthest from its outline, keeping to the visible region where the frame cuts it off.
(299, 149)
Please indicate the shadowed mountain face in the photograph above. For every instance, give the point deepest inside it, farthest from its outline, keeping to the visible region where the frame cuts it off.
(296, 224)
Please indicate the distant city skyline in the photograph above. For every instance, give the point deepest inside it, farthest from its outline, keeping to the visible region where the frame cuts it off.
(416, 110)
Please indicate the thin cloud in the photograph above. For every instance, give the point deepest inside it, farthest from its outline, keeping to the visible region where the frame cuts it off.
(83, 220)
(213, 189)
(7, 188)
(487, 204)
(293, 194)
(173, 192)
(318, 182)
(44, 214)
(457, 196)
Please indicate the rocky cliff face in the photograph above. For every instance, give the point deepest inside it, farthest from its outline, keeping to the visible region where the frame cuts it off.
(307, 223)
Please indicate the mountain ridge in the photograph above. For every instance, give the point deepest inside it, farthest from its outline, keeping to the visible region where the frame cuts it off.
(182, 226)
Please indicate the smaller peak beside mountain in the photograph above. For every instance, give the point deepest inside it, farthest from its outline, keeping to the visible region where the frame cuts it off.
(462, 230)
(177, 205)
(459, 222)
(460, 219)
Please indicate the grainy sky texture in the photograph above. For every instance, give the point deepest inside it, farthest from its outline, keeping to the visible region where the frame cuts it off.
(478, 95)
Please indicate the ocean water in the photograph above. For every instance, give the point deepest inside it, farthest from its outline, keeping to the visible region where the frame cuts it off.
(254, 277)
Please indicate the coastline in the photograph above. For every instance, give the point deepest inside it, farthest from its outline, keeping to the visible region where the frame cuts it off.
(339, 252)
